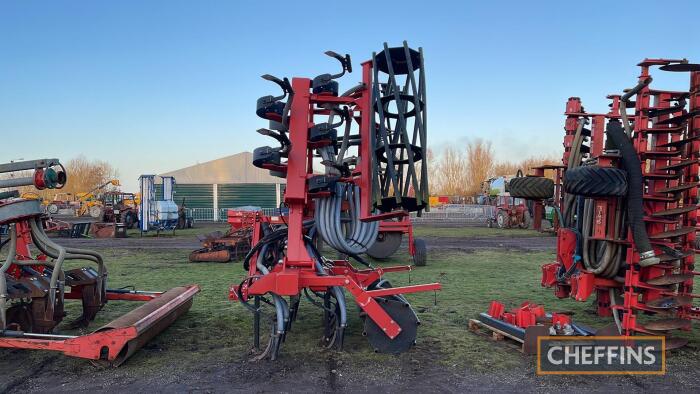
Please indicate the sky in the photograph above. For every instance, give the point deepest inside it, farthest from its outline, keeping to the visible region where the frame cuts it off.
(154, 86)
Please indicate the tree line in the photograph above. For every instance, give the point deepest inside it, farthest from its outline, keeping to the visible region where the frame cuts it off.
(460, 171)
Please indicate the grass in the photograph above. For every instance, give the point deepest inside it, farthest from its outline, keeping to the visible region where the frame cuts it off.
(474, 231)
(217, 329)
(198, 228)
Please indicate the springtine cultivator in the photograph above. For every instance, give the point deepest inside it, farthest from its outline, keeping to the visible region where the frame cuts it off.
(369, 140)
(35, 286)
(629, 205)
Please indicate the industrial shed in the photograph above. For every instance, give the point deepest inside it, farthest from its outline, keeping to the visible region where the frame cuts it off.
(228, 182)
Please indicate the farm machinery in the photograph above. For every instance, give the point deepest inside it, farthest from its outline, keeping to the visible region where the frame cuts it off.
(218, 247)
(369, 141)
(83, 204)
(628, 208)
(513, 198)
(35, 285)
(390, 237)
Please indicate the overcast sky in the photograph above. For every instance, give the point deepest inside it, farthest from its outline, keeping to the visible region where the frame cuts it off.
(153, 86)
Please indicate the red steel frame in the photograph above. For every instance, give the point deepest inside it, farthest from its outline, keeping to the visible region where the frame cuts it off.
(297, 271)
(403, 226)
(649, 140)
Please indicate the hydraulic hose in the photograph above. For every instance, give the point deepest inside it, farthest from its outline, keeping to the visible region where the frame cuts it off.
(281, 308)
(349, 234)
(623, 104)
(337, 291)
(569, 212)
(602, 258)
(3, 282)
(635, 191)
(60, 254)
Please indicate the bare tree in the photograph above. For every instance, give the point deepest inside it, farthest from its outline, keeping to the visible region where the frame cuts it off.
(479, 165)
(451, 171)
(84, 175)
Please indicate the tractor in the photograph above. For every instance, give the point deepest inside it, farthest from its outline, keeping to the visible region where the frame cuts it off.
(120, 207)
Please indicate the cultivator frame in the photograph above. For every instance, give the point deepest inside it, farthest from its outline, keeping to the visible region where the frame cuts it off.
(664, 133)
(33, 287)
(381, 177)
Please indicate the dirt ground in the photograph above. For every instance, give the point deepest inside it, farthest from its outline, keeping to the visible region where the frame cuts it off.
(423, 369)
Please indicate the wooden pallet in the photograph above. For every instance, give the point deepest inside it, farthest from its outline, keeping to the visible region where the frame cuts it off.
(477, 327)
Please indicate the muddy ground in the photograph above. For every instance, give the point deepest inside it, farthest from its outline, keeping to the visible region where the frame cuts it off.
(419, 370)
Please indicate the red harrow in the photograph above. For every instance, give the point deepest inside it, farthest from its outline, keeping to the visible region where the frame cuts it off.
(629, 205)
(35, 286)
(370, 173)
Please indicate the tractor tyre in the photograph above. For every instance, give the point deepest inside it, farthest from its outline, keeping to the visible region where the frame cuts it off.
(420, 257)
(531, 188)
(594, 181)
(95, 211)
(52, 209)
(502, 220)
(527, 221)
(128, 219)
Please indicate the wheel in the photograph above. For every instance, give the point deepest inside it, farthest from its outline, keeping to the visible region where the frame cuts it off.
(531, 187)
(502, 220)
(386, 245)
(420, 257)
(547, 225)
(190, 223)
(95, 211)
(594, 181)
(401, 313)
(527, 221)
(128, 219)
(52, 209)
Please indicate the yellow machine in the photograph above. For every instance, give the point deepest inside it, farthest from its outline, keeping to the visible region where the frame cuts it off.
(89, 204)
(83, 203)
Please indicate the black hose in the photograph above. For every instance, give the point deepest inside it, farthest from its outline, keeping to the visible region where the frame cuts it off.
(635, 191)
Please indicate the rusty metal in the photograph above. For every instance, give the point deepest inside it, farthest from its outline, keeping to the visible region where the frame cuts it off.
(670, 302)
(668, 324)
(673, 343)
(151, 318)
(213, 256)
(669, 279)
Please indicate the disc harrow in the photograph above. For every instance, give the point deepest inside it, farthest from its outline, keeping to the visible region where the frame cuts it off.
(633, 250)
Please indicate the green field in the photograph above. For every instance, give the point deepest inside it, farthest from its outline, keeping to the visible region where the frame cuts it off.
(216, 327)
(216, 334)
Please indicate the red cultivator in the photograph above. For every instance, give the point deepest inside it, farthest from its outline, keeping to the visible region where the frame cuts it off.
(371, 174)
(628, 208)
(33, 286)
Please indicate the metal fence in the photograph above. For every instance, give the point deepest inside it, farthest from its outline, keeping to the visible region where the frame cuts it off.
(457, 214)
(450, 213)
(207, 214)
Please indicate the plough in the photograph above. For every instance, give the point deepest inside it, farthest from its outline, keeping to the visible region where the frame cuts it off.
(628, 207)
(35, 286)
(369, 141)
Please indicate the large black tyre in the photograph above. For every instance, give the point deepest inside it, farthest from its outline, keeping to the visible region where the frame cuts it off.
(502, 220)
(386, 245)
(129, 219)
(420, 257)
(594, 181)
(531, 187)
